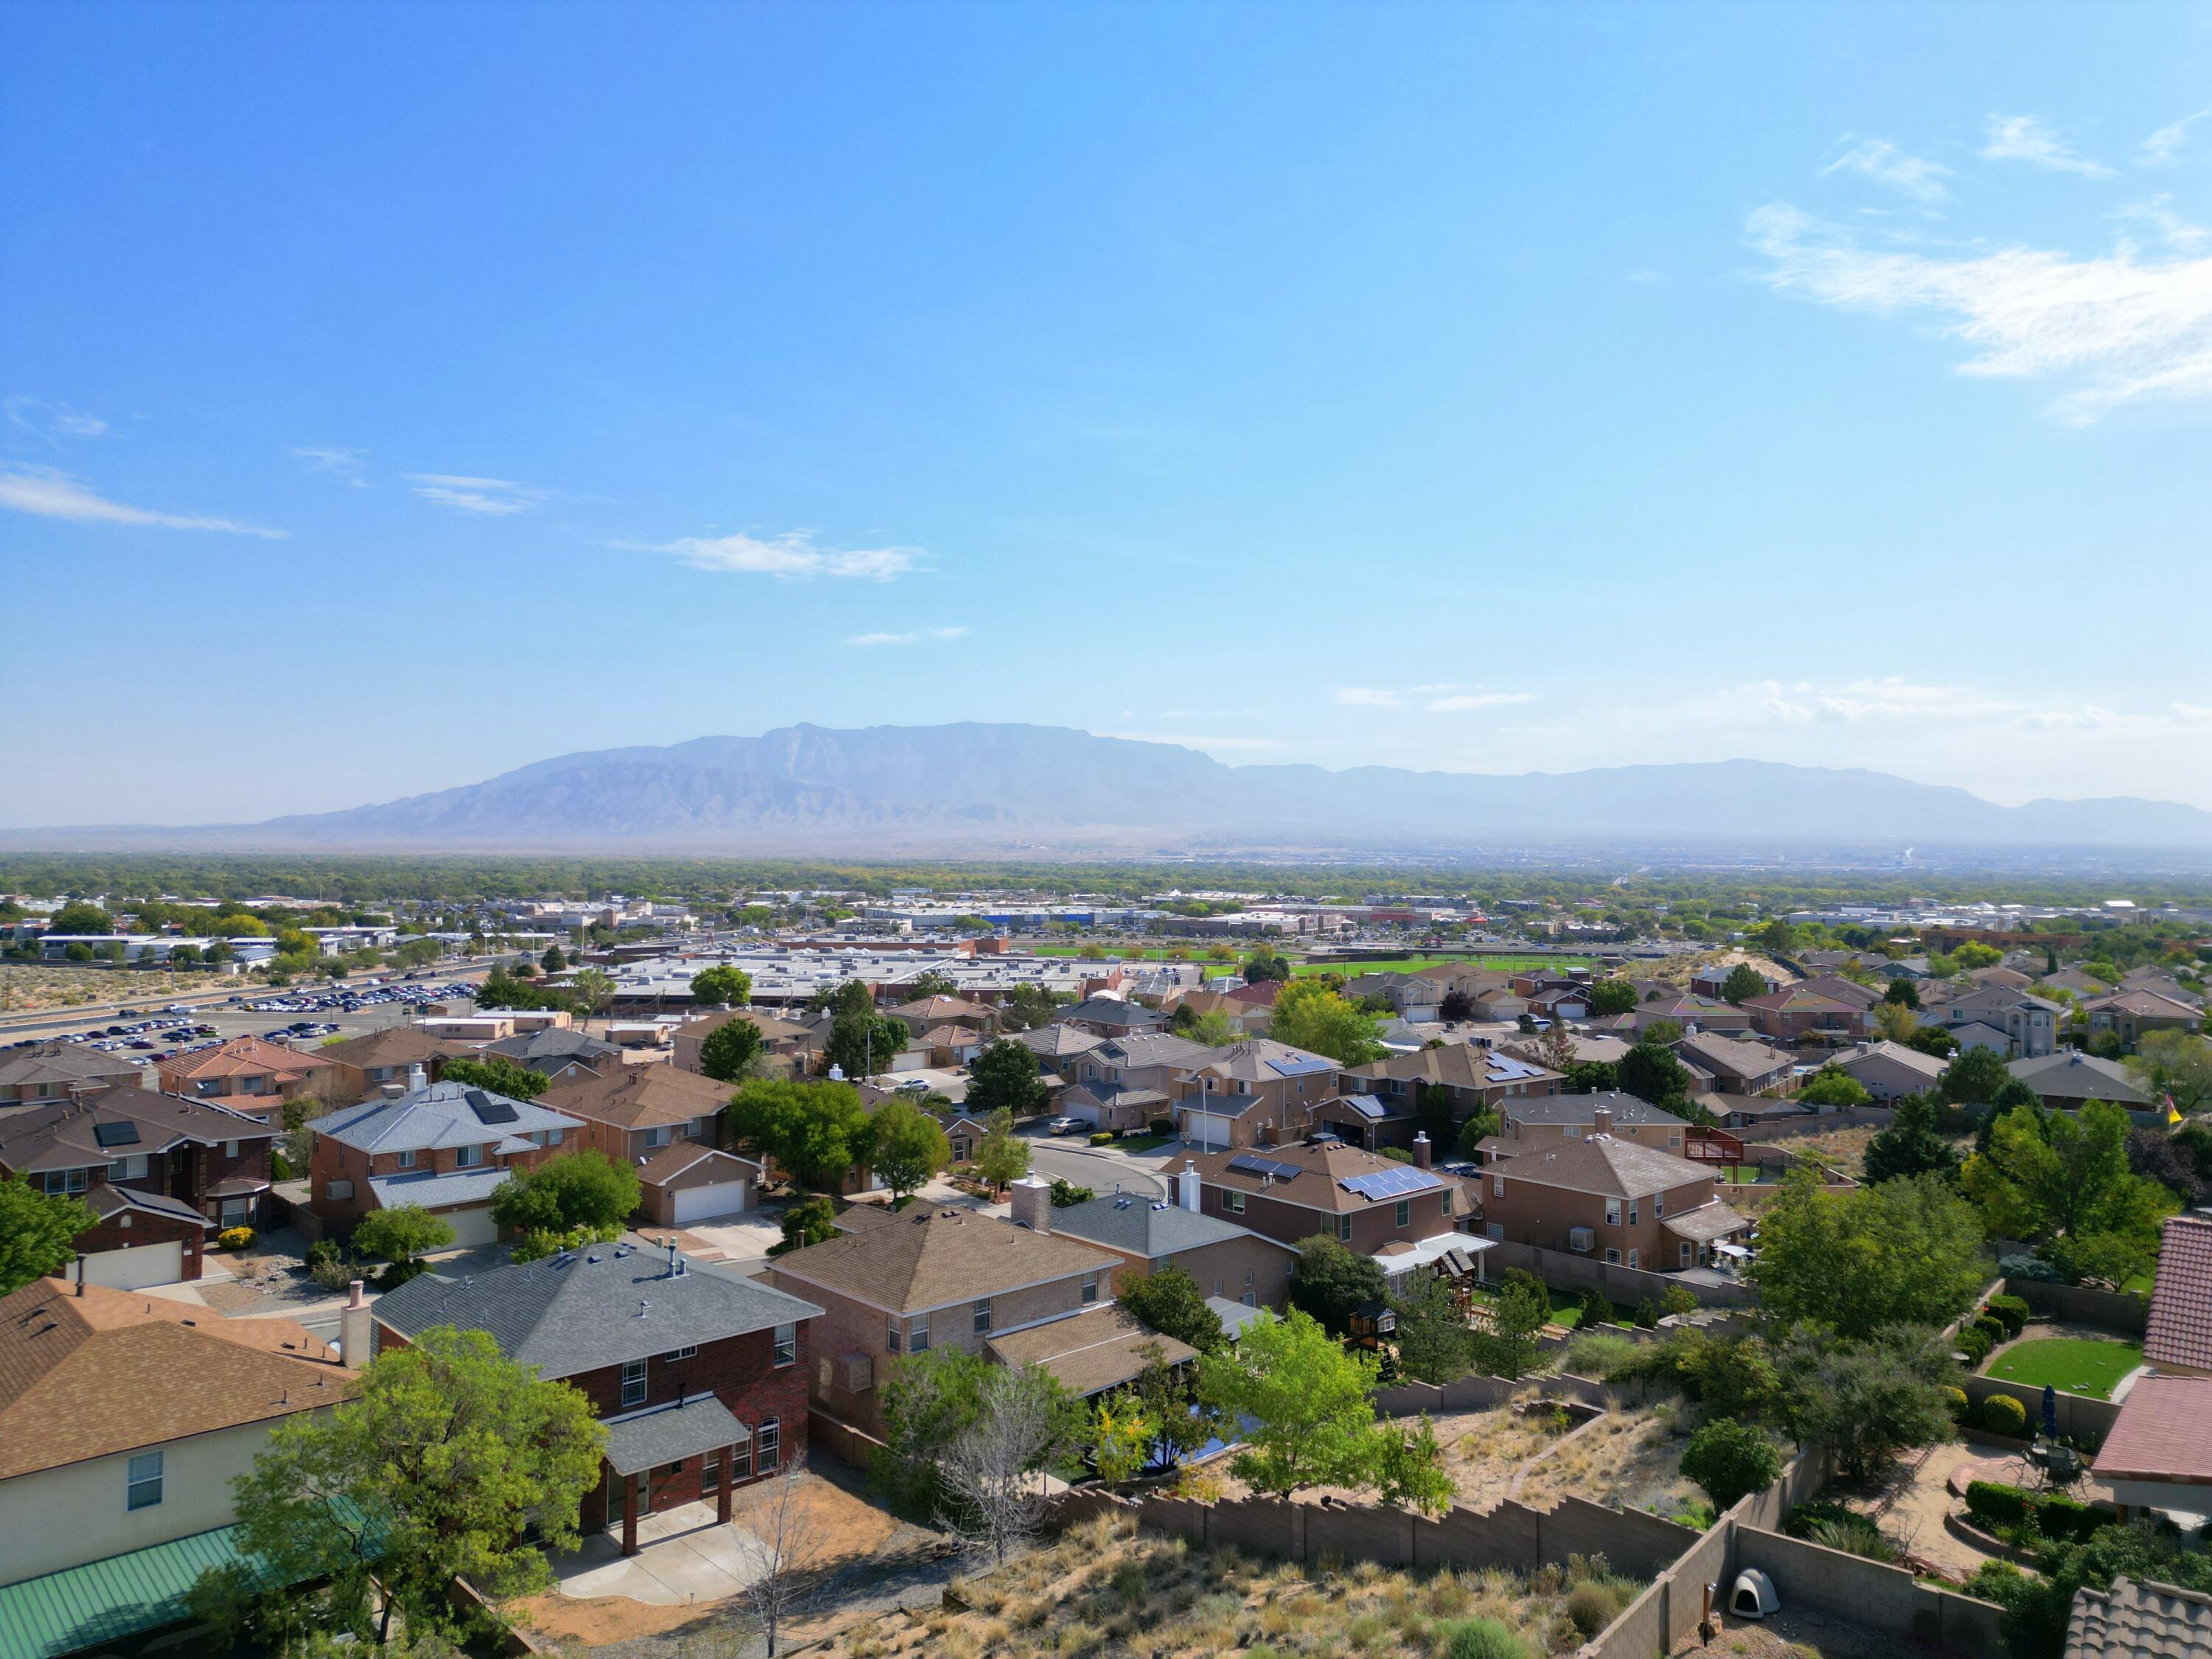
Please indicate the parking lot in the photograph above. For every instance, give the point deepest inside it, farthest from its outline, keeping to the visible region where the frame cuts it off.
(155, 1032)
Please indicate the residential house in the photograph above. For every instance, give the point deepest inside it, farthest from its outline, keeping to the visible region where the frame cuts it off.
(1106, 1106)
(2064, 1080)
(2139, 1619)
(1529, 1123)
(1712, 980)
(951, 1047)
(685, 1182)
(1616, 1200)
(55, 1071)
(1799, 1014)
(2164, 983)
(2010, 978)
(924, 1014)
(1291, 1194)
(1739, 1067)
(2030, 1023)
(249, 1074)
(2083, 986)
(1470, 1077)
(1751, 1111)
(123, 1420)
(1248, 1017)
(786, 1042)
(205, 1160)
(698, 1379)
(2129, 1014)
(1058, 1048)
(929, 1276)
(631, 1114)
(1123, 1083)
(1110, 1016)
(1258, 1092)
(1370, 1121)
(2178, 1339)
(362, 1065)
(1889, 1071)
(1586, 1050)
(1226, 1260)
(444, 1146)
(1686, 1009)
(1976, 1035)
(2156, 1457)
(557, 1052)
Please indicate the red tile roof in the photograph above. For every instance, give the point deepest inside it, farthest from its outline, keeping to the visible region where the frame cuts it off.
(2180, 1329)
(2159, 1434)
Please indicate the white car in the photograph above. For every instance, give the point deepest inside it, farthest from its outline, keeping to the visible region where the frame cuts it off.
(1066, 1126)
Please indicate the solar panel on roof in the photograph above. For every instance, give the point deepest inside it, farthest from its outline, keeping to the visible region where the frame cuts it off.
(1366, 1105)
(1245, 1163)
(116, 1135)
(491, 1110)
(1389, 1184)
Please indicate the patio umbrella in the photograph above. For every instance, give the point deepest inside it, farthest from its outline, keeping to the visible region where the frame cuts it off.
(2050, 1411)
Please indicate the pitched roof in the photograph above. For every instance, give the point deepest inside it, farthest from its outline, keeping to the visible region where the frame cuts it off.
(90, 1374)
(583, 1311)
(2179, 1332)
(1058, 1041)
(395, 1045)
(115, 1123)
(1143, 1049)
(680, 1155)
(2159, 1433)
(1099, 1348)
(1459, 1065)
(1729, 1055)
(772, 1029)
(1799, 999)
(2144, 1005)
(2072, 1075)
(1561, 1109)
(1604, 1164)
(243, 1056)
(942, 1008)
(929, 1256)
(1263, 1060)
(640, 1098)
(1145, 1226)
(2134, 1621)
(1314, 1177)
(440, 1115)
(1913, 1060)
(552, 1045)
(63, 1063)
(107, 1200)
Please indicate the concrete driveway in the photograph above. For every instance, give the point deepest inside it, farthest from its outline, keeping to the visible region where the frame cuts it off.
(684, 1556)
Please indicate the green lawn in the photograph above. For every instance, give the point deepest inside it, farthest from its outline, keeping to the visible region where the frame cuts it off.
(1142, 1143)
(1415, 965)
(2070, 1364)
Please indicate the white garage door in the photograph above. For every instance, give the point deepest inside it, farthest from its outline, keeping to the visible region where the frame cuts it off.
(704, 1203)
(472, 1227)
(136, 1269)
(1211, 1133)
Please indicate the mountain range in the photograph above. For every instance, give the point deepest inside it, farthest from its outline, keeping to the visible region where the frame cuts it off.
(979, 788)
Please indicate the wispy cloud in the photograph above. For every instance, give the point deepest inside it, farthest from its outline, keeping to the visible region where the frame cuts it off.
(918, 637)
(52, 495)
(2163, 147)
(791, 556)
(342, 462)
(2128, 328)
(52, 420)
(2024, 139)
(1461, 703)
(2172, 229)
(1888, 166)
(496, 497)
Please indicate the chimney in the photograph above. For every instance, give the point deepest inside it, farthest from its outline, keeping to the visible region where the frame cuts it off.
(1032, 1196)
(1601, 1120)
(1187, 1185)
(354, 1339)
(1423, 1154)
(671, 1242)
(80, 1273)
(417, 1077)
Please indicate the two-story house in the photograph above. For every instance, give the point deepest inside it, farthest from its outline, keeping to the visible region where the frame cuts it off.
(1108, 1016)
(924, 1014)
(1619, 1200)
(930, 1277)
(1739, 1066)
(1059, 1047)
(1258, 1092)
(55, 1071)
(559, 1054)
(1291, 1194)
(1528, 1123)
(361, 1066)
(700, 1380)
(1122, 1082)
(1227, 1261)
(1798, 1013)
(158, 1170)
(2128, 1013)
(444, 1146)
(632, 1113)
(1470, 1077)
(248, 1074)
(786, 1042)
(2030, 1023)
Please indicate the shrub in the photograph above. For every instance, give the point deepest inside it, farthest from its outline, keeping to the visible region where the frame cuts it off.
(1854, 1535)
(2060, 1517)
(1103, 1137)
(1163, 1125)
(1731, 1458)
(322, 1251)
(1992, 1329)
(1598, 1355)
(1974, 1343)
(1995, 1505)
(234, 1238)
(1647, 1315)
(2002, 1414)
(2011, 1312)
(1957, 1401)
(2030, 1267)
(1481, 1638)
(1590, 1608)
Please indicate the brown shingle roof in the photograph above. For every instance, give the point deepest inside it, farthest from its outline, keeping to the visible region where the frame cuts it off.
(395, 1045)
(641, 1098)
(930, 1256)
(104, 1372)
(772, 1029)
(1089, 1351)
(244, 1055)
(1322, 1171)
(2181, 1328)
(2159, 1433)
(1607, 1165)
(681, 1157)
(65, 1134)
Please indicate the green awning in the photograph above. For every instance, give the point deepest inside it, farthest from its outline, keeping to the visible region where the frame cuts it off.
(105, 1602)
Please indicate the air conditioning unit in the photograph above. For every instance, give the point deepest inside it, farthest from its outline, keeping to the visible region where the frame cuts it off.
(1580, 1239)
(858, 1373)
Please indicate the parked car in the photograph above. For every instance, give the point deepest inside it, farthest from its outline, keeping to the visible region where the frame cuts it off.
(1067, 1126)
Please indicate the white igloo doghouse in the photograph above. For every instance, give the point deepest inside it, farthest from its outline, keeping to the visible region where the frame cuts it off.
(1753, 1596)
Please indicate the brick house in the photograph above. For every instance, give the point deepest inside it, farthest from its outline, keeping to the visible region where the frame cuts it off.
(2030, 1023)
(445, 1146)
(1123, 1082)
(1527, 1123)
(1106, 1016)
(1471, 1077)
(1609, 1197)
(700, 1380)
(1289, 1193)
(1255, 1093)
(1058, 1048)
(1739, 1067)
(785, 1042)
(559, 1054)
(924, 1014)
(248, 1074)
(685, 1181)
(1230, 1262)
(929, 1276)
(55, 1071)
(361, 1066)
(2129, 1014)
(632, 1113)
(1799, 1013)
(1889, 1070)
(206, 1165)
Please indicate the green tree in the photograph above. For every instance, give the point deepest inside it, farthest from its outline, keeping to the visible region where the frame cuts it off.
(1866, 1401)
(1480, 1125)
(1434, 1344)
(729, 1053)
(1974, 1078)
(36, 1230)
(910, 1147)
(454, 1461)
(1311, 1422)
(2062, 1179)
(553, 962)
(495, 1073)
(1651, 1073)
(1831, 1085)
(1005, 1077)
(1002, 1157)
(1744, 982)
(1612, 996)
(1521, 1310)
(816, 1133)
(1308, 1015)
(1266, 966)
(401, 1234)
(1730, 1459)
(592, 990)
(1910, 1145)
(79, 917)
(1901, 994)
(1777, 938)
(1170, 1302)
(1932, 1040)
(1907, 1251)
(1331, 1283)
(810, 1221)
(2177, 1064)
(582, 1192)
(730, 987)
(931, 983)
(1121, 1437)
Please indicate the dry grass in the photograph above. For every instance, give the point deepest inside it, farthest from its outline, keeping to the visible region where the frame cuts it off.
(1839, 1149)
(1104, 1590)
(1633, 1458)
(30, 987)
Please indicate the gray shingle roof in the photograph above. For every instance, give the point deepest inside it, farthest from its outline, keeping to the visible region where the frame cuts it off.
(441, 1115)
(437, 1192)
(1554, 1110)
(583, 1311)
(672, 1433)
(1145, 1227)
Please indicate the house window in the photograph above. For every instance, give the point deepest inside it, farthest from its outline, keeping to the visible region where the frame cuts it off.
(67, 1181)
(1632, 1258)
(1233, 1203)
(553, 1137)
(891, 1337)
(1250, 1300)
(771, 1434)
(633, 1382)
(1344, 1228)
(1405, 1212)
(1497, 1185)
(1685, 1255)
(983, 1317)
(141, 1488)
(230, 1149)
(659, 1137)
(786, 1344)
(1089, 1289)
(917, 1336)
(1612, 1255)
(468, 1157)
(1632, 1215)
(684, 1353)
(741, 1463)
(128, 1169)
(1673, 1136)
(1658, 1206)
(710, 1474)
(1612, 1213)
(406, 1160)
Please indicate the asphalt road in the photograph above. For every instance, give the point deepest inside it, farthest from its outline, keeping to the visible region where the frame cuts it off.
(1068, 1160)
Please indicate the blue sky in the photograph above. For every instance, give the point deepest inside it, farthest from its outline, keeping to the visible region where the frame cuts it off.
(398, 394)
